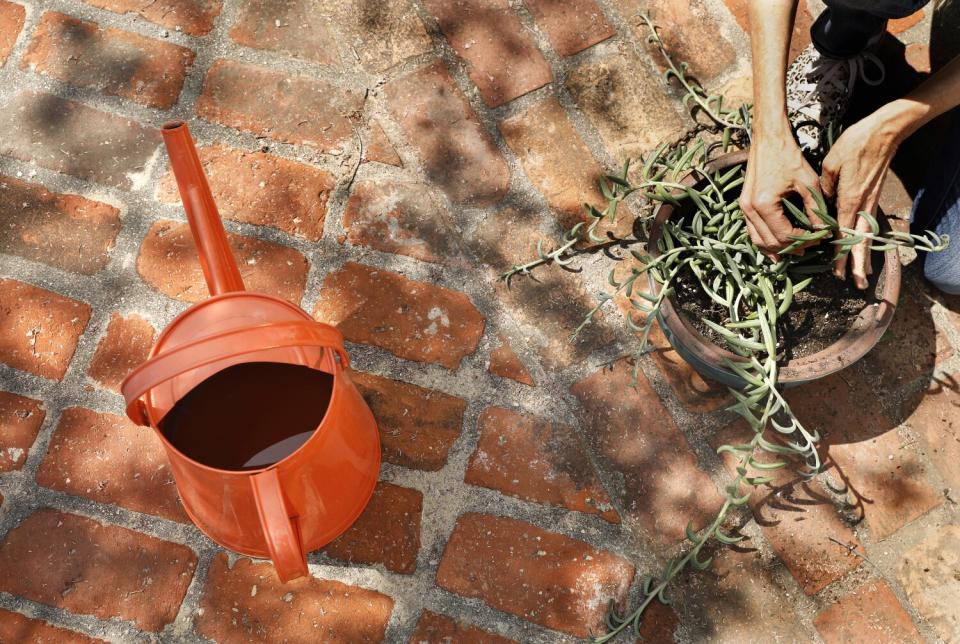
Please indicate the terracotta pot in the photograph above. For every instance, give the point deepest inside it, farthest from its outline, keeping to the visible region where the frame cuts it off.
(707, 357)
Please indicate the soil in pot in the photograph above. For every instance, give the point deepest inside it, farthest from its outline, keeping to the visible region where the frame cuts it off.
(819, 315)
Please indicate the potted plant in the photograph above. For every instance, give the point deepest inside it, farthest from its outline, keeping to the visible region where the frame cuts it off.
(726, 306)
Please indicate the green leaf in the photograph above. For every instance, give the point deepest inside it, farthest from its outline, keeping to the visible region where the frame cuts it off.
(871, 220)
(692, 534)
(729, 540)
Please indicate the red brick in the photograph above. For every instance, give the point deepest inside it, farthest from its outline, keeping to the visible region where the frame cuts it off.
(380, 149)
(631, 111)
(457, 152)
(872, 613)
(505, 363)
(305, 29)
(553, 304)
(39, 330)
(262, 189)
(110, 460)
(168, 262)
(886, 481)
(740, 597)
(20, 421)
(68, 137)
(540, 576)
(899, 25)
(937, 420)
(15, 627)
(400, 217)
(690, 32)
(633, 433)
(502, 59)
(555, 159)
(66, 231)
(285, 107)
(418, 426)
(194, 17)
(410, 319)
(798, 518)
(536, 460)
(125, 346)
(928, 575)
(245, 602)
(79, 565)
(917, 56)
(572, 25)
(110, 61)
(11, 22)
(388, 531)
(434, 627)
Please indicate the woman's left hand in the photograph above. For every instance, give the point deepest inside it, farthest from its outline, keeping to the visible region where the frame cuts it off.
(853, 173)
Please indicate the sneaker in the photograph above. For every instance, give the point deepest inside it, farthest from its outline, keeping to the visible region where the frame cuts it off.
(819, 90)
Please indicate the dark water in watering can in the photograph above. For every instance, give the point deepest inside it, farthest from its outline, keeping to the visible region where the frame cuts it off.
(249, 415)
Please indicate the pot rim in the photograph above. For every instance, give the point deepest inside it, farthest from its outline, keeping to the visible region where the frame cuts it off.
(859, 339)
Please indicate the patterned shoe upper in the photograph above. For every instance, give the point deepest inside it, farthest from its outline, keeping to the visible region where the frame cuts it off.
(819, 89)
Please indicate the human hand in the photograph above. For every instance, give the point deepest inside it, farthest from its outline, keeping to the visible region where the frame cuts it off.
(776, 169)
(853, 174)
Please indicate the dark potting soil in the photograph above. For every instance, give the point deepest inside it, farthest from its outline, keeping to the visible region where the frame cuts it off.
(819, 315)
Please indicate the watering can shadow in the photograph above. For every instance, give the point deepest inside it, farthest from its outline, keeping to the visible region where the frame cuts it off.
(282, 509)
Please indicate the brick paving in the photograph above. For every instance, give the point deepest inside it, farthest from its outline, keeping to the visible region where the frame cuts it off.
(380, 163)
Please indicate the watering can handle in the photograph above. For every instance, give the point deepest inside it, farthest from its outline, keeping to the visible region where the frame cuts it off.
(219, 346)
(280, 530)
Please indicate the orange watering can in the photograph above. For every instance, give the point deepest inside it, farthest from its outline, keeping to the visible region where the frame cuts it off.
(273, 450)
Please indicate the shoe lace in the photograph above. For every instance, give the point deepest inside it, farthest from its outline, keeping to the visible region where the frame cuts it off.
(838, 77)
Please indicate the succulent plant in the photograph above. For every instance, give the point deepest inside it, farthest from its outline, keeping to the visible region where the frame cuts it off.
(712, 242)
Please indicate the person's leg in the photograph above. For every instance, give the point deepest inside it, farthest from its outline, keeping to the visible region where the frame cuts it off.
(937, 208)
(847, 27)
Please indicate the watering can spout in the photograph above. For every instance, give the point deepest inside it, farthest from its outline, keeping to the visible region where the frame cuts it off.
(219, 268)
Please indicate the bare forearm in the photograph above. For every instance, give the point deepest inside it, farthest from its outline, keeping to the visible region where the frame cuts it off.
(771, 22)
(938, 94)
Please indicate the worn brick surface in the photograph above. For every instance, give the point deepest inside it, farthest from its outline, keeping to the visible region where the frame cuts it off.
(284, 107)
(884, 478)
(20, 421)
(126, 344)
(434, 627)
(536, 460)
(418, 426)
(572, 25)
(168, 262)
(66, 231)
(262, 189)
(393, 24)
(505, 363)
(39, 329)
(541, 576)
(633, 434)
(937, 420)
(15, 627)
(75, 563)
(11, 22)
(194, 17)
(928, 574)
(107, 458)
(555, 304)
(111, 61)
(292, 27)
(457, 152)
(798, 518)
(388, 531)
(872, 613)
(380, 149)
(630, 110)
(899, 25)
(555, 159)
(502, 58)
(75, 139)
(410, 319)
(400, 217)
(245, 602)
